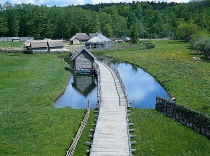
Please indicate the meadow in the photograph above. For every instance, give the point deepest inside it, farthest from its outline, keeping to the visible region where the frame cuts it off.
(31, 125)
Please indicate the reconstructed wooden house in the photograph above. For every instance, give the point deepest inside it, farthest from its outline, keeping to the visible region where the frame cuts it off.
(79, 38)
(43, 45)
(82, 60)
(98, 40)
(55, 44)
(38, 45)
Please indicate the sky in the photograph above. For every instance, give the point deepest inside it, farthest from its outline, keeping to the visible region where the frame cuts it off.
(70, 2)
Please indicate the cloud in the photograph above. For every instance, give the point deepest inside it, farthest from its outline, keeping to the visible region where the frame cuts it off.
(70, 2)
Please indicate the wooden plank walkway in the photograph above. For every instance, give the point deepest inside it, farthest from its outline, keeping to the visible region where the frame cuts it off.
(111, 136)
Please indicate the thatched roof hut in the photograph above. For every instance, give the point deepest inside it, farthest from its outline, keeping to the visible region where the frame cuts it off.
(55, 44)
(98, 40)
(79, 38)
(82, 60)
(43, 45)
(38, 45)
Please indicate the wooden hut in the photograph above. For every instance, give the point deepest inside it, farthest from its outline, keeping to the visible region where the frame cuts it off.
(79, 38)
(55, 44)
(38, 45)
(82, 60)
(98, 40)
(43, 45)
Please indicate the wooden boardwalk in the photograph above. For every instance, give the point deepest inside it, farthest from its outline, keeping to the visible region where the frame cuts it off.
(111, 136)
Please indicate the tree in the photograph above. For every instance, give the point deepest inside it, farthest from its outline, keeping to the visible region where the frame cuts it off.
(3, 24)
(106, 24)
(134, 34)
(185, 30)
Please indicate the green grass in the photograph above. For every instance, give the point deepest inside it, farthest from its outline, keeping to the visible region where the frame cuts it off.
(172, 64)
(11, 45)
(158, 135)
(30, 124)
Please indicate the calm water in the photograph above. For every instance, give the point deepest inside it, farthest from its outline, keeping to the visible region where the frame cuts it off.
(79, 90)
(141, 88)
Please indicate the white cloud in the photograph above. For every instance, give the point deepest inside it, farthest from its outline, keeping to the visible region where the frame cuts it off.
(70, 2)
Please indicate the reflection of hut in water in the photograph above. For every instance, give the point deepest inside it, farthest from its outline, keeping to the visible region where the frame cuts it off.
(82, 60)
(84, 84)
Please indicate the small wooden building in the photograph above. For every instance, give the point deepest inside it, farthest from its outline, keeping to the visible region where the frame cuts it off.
(38, 45)
(98, 40)
(55, 44)
(82, 60)
(79, 38)
(43, 45)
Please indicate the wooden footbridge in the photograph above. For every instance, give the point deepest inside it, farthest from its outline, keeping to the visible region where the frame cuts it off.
(111, 133)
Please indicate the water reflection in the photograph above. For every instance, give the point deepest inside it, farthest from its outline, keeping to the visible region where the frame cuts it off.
(141, 87)
(79, 90)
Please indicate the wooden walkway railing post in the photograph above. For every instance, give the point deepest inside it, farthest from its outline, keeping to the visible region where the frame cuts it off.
(70, 152)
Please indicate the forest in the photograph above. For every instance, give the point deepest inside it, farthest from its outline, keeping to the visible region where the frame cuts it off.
(140, 19)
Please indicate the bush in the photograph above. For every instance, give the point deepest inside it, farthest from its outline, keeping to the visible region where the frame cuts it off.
(201, 41)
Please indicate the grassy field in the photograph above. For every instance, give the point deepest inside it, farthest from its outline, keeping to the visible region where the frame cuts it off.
(30, 124)
(11, 45)
(158, 135)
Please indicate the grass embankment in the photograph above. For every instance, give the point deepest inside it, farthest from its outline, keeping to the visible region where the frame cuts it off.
(30, 124)
(172, 64)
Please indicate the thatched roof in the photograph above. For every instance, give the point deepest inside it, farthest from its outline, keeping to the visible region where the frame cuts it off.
(71, 39)
(76, 53)
(81, 37)
(43, 43)
(39, 44)
(55, 43)
(98, 38)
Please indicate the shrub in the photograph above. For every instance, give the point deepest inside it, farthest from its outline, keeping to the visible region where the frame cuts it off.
(201, 41)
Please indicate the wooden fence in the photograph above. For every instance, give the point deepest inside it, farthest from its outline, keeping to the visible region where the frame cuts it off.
(10, 39)
(70, 152)
(195, 120)
(121, 83)
(97, 71)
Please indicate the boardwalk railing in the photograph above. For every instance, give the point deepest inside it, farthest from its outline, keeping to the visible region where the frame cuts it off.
(96, 68)
(195, 120)
(70, 152)
(121, 83)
